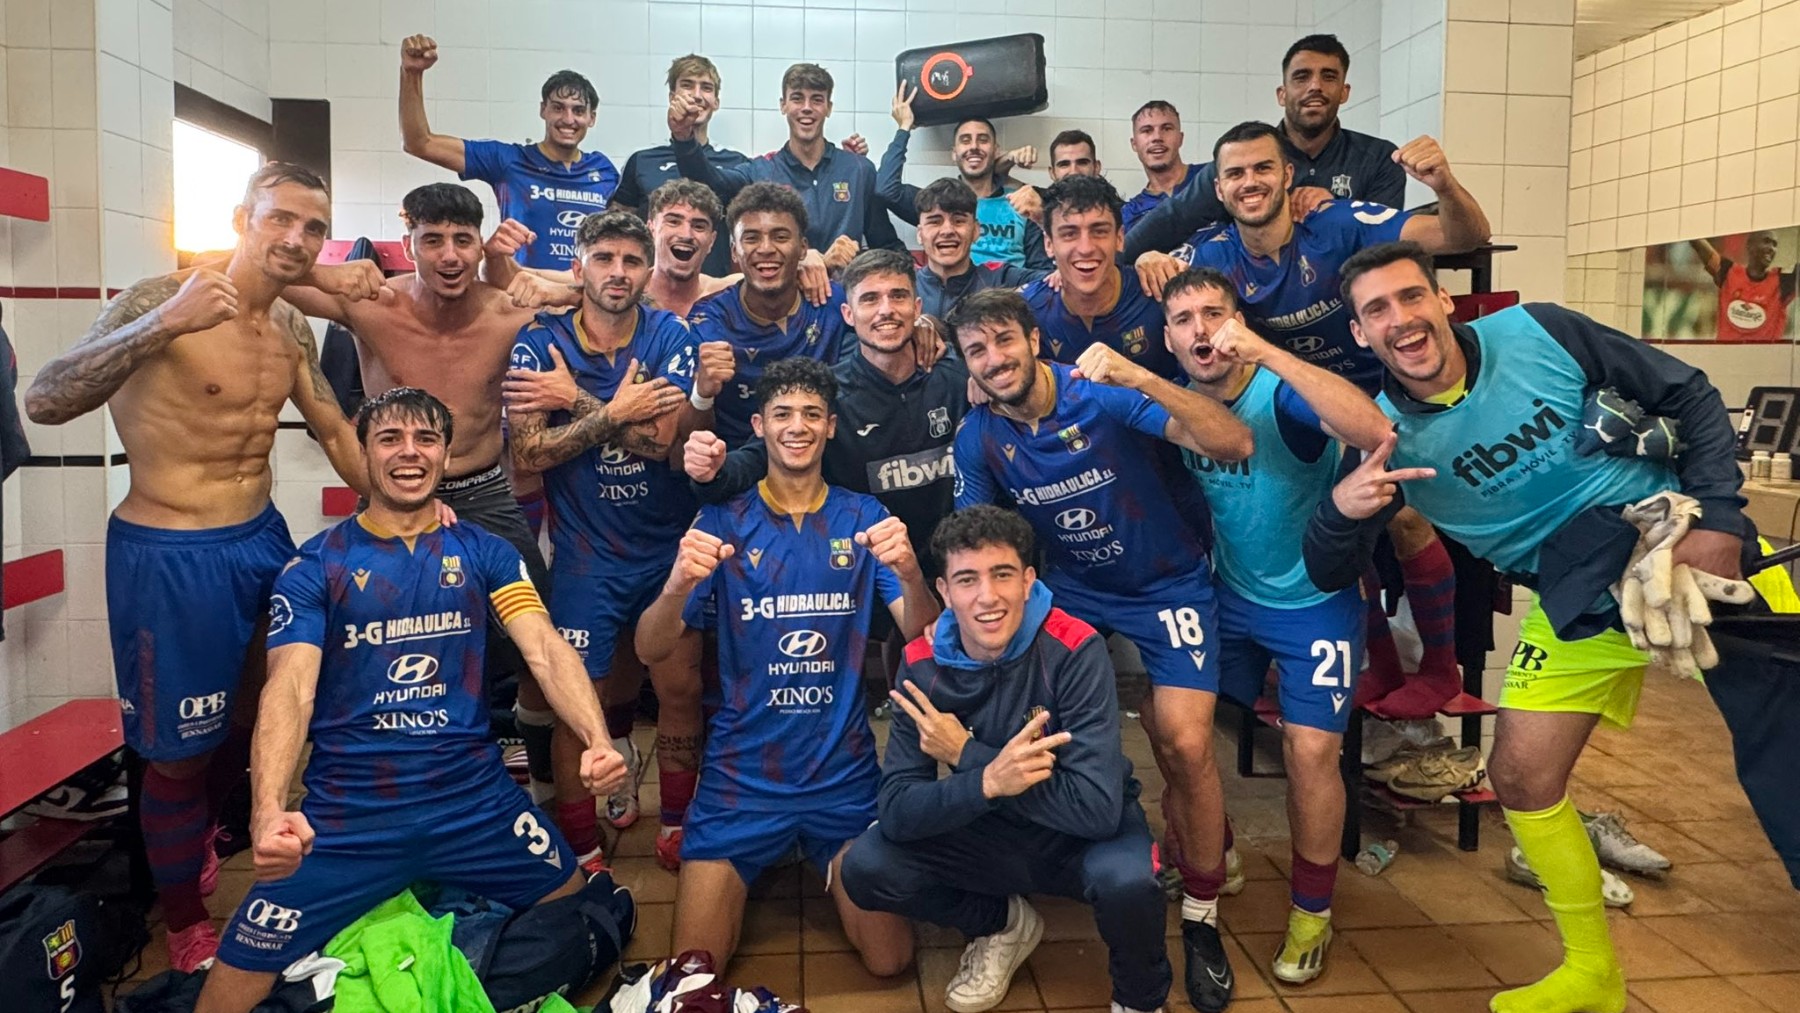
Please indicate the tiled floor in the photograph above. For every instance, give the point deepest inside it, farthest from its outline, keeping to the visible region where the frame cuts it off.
(1438, 932)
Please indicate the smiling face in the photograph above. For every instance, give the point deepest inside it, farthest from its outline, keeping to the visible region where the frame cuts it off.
(1194, 315)
(1073, 160)
(974, 149)
(1001, 358)
(1404, 318)
(703, 91)
(947, 236)
(1156, 138)
(1312, 88)
(1760, 252)
(805, 110)
(882, 311)
(405, 456)
(1253, 179)
(684, 236)
(768, 246)
(986, 587)
(445, 256)
(795, 425)
(614, 273)
(283, 229)
(567, 120)
(1084, 244)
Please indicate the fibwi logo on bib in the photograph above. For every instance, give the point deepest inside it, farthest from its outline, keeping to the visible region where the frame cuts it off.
(450, 572)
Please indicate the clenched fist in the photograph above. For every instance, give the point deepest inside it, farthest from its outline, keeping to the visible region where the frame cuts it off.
(205, 300)
(695, 560)
(717, 364)
(418, 53)
(703, 455)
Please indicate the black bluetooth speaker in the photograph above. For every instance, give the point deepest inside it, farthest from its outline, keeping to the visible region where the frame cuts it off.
(986, 77)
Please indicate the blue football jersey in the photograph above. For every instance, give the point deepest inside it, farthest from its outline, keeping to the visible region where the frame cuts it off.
(792, 608)
(816, 332)
(610, 509)
(544, 195)
(1293, 300)
(1112, 504)
(401, 713)
(1133, 326)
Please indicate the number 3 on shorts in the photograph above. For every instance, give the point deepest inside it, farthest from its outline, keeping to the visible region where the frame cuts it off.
(1184, 627)
(536, 837)
(1331, 654)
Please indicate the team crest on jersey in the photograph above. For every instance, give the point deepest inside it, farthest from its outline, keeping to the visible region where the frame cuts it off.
(1007, 449)
(755, 557)
(812, 334)
(62, 950)
(1307, 274)
(362, 579)
(450, 572)
(594, 176)
(1134, 342)
(1073, 439)
(840, 192)
(841, 557)
(1340, 185)
(940, 421)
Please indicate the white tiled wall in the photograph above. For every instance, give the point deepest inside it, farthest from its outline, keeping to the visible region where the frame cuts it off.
(221, 48)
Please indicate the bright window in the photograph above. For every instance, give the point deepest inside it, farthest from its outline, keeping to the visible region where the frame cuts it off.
(210, 173)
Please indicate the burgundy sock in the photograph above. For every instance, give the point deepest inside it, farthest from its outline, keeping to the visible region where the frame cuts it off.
(579, 824)
(1431, 592)
(676, 787)
(1201, 885)
(1384, 674)
(172, 814)
(1312, 884)
(619, 719)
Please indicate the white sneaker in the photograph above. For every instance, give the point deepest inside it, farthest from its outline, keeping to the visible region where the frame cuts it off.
(1116, 1008)
(1614, 891)
(622, 805)
(989, 962)
(1618, 848)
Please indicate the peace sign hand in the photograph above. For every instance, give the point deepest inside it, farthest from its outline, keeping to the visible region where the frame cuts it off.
(941, 736)
(1366, 491)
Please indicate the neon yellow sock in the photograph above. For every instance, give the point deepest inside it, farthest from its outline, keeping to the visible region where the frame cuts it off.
(1590, 979)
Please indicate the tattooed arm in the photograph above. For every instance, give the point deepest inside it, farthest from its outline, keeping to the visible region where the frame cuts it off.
(133, 328)
(538, 446)
(319, 406)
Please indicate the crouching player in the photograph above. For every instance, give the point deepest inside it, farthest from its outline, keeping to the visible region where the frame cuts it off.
(377, 634)
(1016, 697)
(787, 573)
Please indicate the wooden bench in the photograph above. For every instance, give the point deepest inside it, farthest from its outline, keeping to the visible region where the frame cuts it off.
(36, 757)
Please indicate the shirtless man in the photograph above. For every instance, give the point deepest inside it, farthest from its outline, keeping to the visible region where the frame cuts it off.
(443, 330)
(196, 367)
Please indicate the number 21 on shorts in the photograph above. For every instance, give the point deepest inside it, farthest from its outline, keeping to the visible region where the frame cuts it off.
(1184, 627)
(1334, 656)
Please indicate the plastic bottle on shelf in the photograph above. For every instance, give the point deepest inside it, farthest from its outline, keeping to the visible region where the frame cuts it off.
(1376, 856)
(1759, 465)
(1781, 468)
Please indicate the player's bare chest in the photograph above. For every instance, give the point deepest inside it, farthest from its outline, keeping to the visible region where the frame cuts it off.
(235, 365)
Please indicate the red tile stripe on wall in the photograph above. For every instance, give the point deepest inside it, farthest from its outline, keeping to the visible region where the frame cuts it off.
(27, 292)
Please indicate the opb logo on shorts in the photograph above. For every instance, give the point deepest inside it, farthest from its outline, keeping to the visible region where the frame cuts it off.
(570, 219)
(196, 707)
(1075, 519)
(273, 916)
(802, 644)
(577, 639)
(409, 669)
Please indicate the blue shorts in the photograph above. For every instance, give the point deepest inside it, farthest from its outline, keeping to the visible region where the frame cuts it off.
(183, 607)
(752, 841)
(1317, 650)
(591, 609)
(495, 844)
(1173, 623)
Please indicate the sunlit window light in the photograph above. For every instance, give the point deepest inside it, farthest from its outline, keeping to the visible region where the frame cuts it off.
(210, 173)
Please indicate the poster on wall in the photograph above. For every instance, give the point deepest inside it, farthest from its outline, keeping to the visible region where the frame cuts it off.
(1737, 289)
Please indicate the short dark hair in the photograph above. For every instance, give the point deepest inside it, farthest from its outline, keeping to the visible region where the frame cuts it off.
(274, 174)
(988, 307)
(440, 204)
(407, 403)
(1077, 193)
(1198, 278)
(807, 77)
(873, 262)
(568, 84)
(983, 120)
(949, 195)
(1155, 105)
(694, 194)
(1322, 43)
(1069, 137)
(1249, 130)
(766, 197)
(979, 526)
(1372, 258)
(603, 225)
(797, 373)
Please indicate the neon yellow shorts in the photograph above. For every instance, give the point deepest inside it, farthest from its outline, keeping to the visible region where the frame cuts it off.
(1602, 674)
(1775, 586)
